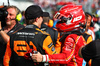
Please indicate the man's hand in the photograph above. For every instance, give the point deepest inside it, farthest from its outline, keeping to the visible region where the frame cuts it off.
(37, 57)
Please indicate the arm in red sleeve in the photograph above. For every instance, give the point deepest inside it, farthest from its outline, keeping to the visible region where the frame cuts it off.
(66, 55)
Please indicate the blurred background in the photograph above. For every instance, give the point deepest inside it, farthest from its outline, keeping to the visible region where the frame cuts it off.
(51, 6)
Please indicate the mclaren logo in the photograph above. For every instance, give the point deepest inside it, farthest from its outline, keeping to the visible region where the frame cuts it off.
(77, 18)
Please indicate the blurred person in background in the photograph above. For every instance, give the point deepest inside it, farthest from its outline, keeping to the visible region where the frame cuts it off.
(55, 35)
(12, 25)
(97, 25)
(89, 30)
(88, 37)
(89, 24)
(97, 29)
(97, 35)
(22, 21)
(50, 24)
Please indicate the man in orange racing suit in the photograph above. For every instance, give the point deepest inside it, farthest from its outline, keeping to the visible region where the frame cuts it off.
(30, 37)
(71, 18)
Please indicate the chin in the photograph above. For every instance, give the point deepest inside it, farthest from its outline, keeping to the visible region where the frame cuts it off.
(8, 23)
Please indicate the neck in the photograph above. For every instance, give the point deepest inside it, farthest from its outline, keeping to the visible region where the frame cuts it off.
(46, 23)
(37, 24)
(9, 27)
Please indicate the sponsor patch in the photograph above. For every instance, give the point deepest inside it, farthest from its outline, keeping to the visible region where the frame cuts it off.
(50, 45)
(53, 49)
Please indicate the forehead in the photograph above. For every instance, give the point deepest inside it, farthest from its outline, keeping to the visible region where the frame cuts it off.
(11, 10)
(89, 17)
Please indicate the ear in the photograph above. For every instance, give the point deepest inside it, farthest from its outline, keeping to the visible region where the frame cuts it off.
(85, 21)
(36, 19)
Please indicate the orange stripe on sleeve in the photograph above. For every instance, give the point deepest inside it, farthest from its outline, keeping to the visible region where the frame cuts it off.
(7, 55)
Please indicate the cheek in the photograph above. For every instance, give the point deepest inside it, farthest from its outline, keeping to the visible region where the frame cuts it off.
(88, 23)
(13, 17)
(41, 20)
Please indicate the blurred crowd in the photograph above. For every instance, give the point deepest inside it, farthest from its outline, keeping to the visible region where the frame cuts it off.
(51, 6)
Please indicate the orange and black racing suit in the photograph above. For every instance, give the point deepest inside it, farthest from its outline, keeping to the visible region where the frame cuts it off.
(88, 39)
(3, 43)
(30, 37)
(55, 36)
(53, 33)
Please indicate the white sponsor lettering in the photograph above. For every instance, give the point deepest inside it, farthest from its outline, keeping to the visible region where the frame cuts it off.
(77, 18)
(25, 33)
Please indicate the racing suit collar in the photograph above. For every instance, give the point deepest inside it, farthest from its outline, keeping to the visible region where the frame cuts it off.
(31, 26)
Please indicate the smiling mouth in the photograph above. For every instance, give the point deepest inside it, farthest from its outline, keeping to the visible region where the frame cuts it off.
(8, 20)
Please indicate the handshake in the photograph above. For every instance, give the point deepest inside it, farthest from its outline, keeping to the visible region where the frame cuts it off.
(29, 54)
(34, 55)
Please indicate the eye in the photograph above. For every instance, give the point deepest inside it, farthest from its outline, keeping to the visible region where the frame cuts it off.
(64, 19)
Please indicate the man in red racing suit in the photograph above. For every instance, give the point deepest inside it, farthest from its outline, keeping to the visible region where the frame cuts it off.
(69, 55)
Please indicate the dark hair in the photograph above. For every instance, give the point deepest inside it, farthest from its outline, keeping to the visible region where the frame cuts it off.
(46, 14)
(46, 19)
(87, 14)
(30, 21)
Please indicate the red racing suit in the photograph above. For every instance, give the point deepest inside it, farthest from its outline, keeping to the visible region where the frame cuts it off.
(69, 54)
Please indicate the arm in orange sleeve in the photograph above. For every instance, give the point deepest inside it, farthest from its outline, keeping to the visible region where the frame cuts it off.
(58, 44)
(89, 39)
(7, 55)
(50, 49)
(48, 46)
